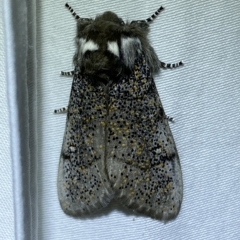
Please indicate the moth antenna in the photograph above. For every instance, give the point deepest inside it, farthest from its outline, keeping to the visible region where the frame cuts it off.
(72, 11)
(150, 19)
(170, 65)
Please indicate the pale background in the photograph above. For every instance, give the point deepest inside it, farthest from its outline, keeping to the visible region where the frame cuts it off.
(6, 195)
(203, 97)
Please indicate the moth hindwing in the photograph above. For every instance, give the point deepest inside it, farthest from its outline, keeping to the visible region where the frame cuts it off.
(117, 141)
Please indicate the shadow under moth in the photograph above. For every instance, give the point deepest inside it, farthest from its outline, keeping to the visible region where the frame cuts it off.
(117, 142)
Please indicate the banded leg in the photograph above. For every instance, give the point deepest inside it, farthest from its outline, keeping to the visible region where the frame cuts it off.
(70, 73)
(61, 110)
(170, 65)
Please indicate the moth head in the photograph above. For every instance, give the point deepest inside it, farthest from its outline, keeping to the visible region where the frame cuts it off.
(107, 47)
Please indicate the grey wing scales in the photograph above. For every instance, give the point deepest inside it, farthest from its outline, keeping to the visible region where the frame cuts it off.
(83, 185)
(142, 160)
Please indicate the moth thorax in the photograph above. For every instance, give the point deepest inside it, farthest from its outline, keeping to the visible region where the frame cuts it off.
(108, 59)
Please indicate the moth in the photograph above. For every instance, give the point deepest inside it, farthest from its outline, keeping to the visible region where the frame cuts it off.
(117, 142)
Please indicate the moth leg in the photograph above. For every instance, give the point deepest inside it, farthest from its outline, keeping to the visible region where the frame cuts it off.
(64, 109)
(61, 110)
(170, 65)
(170, 119)
(70, 73)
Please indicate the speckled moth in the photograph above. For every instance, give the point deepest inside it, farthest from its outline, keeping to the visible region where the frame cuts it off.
(117, 142)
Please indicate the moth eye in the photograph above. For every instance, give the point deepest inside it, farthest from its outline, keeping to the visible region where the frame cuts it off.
(87, 53)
